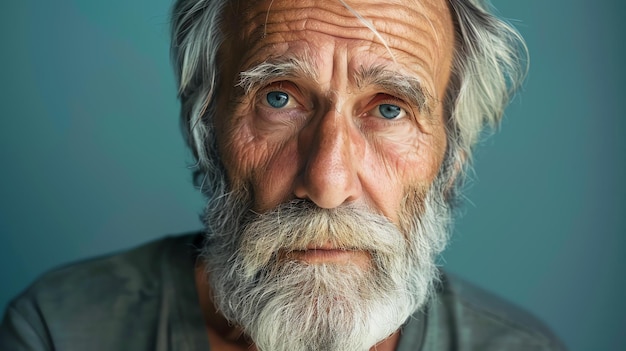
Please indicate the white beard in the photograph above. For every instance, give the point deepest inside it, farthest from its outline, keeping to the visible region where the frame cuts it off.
(290, 305)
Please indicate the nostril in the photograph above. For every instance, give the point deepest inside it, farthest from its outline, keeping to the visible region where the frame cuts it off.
(327, 185)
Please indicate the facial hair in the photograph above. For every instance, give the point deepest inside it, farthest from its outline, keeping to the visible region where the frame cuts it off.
(284, 304)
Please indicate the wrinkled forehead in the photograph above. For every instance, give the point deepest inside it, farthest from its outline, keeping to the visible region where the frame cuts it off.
(418, 32)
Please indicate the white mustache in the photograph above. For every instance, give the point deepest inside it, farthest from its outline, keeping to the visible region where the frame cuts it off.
(299, 225)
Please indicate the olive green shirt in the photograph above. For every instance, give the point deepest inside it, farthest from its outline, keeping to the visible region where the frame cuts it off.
(145, 299)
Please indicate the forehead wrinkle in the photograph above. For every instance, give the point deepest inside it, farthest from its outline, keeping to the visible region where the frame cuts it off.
(397, 41)
(279, 47)
(255, 18)
(322, 20)
(422, 32)
(422, 25)
(276, 39)
(407, 87)
(290, 18)
(314, 25)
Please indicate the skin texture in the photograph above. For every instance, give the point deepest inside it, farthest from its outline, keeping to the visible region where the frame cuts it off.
(329, 143)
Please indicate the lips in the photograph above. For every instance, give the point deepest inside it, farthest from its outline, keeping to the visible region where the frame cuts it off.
(328, 247)
(330, 254)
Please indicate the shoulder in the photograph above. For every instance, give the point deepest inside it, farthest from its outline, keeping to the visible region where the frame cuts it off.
(82, 299)
(471, 316)
(133, 270)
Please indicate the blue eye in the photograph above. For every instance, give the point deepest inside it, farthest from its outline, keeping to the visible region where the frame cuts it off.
(389, 111)
(277, 99)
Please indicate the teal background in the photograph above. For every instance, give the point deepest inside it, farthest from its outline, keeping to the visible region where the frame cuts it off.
(92, 160)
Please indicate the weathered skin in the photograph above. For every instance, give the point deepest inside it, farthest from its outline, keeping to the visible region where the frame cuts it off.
(329, 143)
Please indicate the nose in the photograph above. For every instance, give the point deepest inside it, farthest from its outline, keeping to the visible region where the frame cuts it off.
(332, 152)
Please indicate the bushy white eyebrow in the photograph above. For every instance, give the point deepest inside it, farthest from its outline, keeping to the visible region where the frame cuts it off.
(273, 70)
(401, 85)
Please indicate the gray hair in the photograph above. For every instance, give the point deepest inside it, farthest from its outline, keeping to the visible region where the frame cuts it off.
(490, 63)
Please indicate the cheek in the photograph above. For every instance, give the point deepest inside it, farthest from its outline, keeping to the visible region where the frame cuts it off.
(420, 153)
(394, 163)
(421, 165)
(261, 163)
(273, 182)
(239, 155)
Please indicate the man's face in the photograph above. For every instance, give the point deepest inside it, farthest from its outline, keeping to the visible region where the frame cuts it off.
(332, 135)
(348, 119)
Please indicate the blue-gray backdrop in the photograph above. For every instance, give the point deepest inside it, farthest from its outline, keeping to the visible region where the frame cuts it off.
(92, 161)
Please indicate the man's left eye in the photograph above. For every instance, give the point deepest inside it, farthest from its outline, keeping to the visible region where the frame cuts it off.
(389, 111)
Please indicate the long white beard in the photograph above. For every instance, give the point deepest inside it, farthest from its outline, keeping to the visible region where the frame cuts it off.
(290, 305)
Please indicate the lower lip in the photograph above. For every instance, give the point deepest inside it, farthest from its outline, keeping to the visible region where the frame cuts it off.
(328, 256)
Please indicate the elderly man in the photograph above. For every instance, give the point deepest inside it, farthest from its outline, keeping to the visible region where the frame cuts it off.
(331, 137)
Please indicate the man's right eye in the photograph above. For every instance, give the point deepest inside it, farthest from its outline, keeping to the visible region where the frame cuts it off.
(277, 99)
